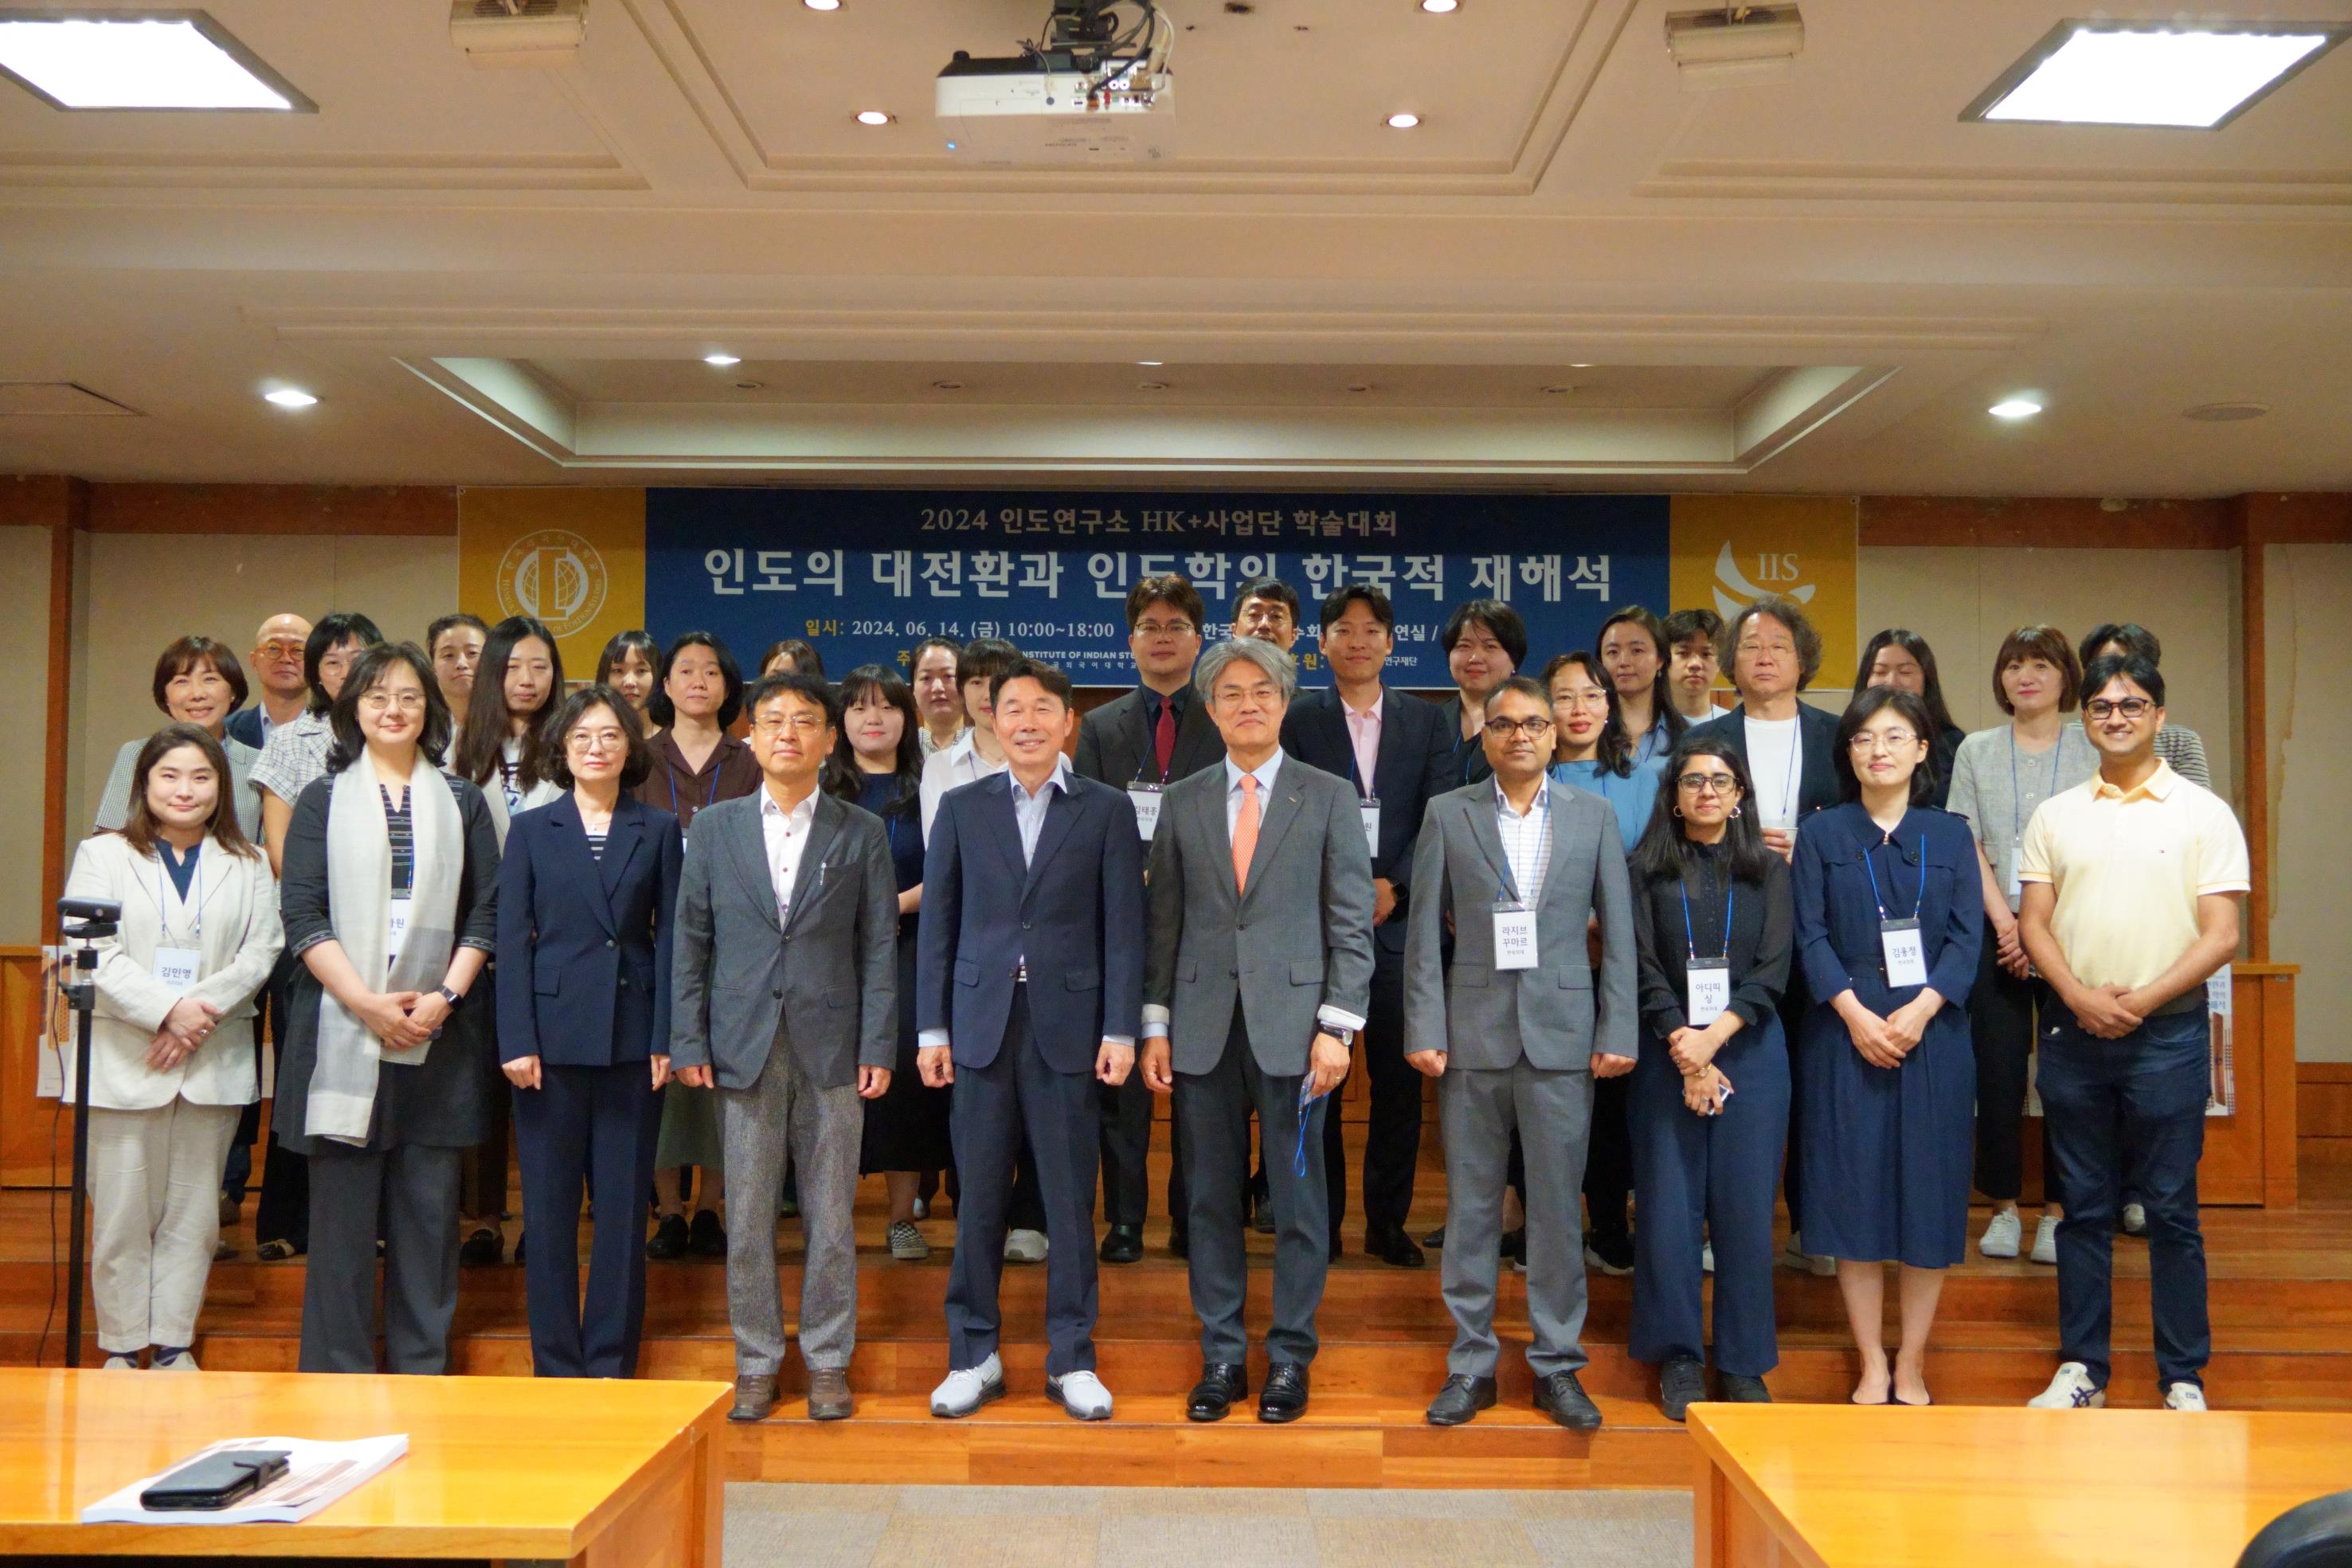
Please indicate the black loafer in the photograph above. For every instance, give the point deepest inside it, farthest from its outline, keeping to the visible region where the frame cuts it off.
(1222, 1383)
(1562, 1398)
(1123, 1244)
(1390, 1245)
(1513, 1246)
(1262, 1215)
(1682, 1383)
(1284, 1397)
(1462, 1397)
(1435, 1239)
(706, 1237)
(668, 1239)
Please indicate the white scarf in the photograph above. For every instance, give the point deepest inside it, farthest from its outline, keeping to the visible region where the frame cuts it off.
(358, 904)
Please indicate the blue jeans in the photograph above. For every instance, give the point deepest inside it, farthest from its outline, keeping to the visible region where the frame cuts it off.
(2129, 1113)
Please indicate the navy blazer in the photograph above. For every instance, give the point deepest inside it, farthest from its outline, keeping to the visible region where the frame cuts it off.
(245, 725)
(1075, 910)
(1818, 788)
(584, 974)
(1415, 766)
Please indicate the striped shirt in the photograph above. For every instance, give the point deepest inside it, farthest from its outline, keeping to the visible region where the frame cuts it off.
(596, 842)
(295, 757)
(402, 827)
(1526, 841)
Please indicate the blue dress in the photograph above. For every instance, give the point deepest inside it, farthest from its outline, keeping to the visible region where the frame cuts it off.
(907, 1128)
(1887, 1151)
(1630, 796)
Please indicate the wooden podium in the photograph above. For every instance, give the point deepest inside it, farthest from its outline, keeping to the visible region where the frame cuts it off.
(593, 1473)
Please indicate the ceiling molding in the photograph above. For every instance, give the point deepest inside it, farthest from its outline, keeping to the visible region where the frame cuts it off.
(319, 172)
(1766, 181)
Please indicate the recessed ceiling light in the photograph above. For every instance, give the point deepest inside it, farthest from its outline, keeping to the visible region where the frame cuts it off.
(2198, 77)
(169, 59)
(289, 397)
(721, 360)
(2225, 412)
(948, 386)
(1359, 386)
(1150, 364)
(1440, 7)
(1404, 122)
(2015, 408)
(748, 386)
(1579, 364)
(873, 117)
(822, 4)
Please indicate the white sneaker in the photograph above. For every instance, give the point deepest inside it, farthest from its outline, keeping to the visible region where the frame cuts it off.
(2184, 1397)
(2071, 1390)
(119, 1364)
(2003, 1236)
(1794, 1256)
(966, 1391)
(1024, 1247)
(184, 1362)
(2045, 1240)
(1706, 1258)
(2135, 1220)
(1084, 1397)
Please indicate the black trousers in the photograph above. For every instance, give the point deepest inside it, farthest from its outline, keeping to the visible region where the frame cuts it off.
(2002, 1009)
(592, 1127)
(408, 1195)
(283, 1212)
(1609, 1158)
(1016, 1107)
(1393, 1136)
(1125, 1142)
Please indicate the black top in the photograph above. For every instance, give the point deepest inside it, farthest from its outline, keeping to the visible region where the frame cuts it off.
(183, 870)
(1763, 937)
(403, 828)
(875, 791)
(1468, 755)
(1942, 752)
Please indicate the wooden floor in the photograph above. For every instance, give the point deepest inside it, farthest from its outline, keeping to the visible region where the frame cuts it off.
(2280, 1293)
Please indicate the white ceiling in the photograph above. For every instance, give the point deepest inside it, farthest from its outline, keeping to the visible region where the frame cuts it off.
(1816, 283)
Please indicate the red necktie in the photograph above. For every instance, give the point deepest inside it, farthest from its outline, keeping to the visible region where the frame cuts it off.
(1163, 737)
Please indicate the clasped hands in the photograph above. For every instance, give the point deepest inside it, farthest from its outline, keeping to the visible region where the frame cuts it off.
(185, 1027)
(1885, 1041)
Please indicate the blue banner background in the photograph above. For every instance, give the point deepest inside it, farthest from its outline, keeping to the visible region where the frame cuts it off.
(863, 574)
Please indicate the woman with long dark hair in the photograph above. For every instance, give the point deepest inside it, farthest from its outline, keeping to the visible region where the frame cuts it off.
(390, 900)
(878, 764)
(1632, 648)
(1889, 923)
(1900, 658)
(1710, 1099)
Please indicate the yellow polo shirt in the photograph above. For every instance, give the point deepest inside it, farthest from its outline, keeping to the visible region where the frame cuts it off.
(2129, 867)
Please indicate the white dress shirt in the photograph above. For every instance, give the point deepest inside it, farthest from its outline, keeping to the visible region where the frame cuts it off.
(1526, 841)
(786, 834)
(943, 770)
(1364, 737)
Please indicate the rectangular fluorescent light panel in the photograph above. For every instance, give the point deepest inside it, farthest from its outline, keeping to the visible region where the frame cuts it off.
(138, 60)
(2109, 73)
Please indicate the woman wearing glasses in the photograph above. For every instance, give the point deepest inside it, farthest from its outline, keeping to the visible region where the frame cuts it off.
(1889, 921)
(1710, 1089)
(586, 892)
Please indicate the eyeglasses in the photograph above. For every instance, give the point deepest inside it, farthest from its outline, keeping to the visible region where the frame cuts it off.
(378, 701)
(1709, 783)
(2130, 707)
(1893, 739)
(1778, 645)
(1504, 728)
(796, 724)
(1592, 697)
(278, 650)
(585, 740)
(1163, 627)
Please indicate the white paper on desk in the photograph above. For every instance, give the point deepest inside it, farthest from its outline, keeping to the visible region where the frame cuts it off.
(316, 1475)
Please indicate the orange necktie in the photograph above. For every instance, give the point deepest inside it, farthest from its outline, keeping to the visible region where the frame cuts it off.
(1245, 833)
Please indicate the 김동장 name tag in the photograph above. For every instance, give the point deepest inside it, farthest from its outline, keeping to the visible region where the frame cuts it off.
(1514, 935)
(1146, 798)
(1907, 957)
(1708, 991)
(176, 968)
(1369, 810)
(395, 930)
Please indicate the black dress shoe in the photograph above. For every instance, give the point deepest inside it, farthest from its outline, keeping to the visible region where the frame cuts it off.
(1390, 1245)
(1435, 1239)
(1123, 1244)
(1562, 1398)
(1284, 1397)
(1336, 1248)
(1178, 1244)
(1262, 1214)
(705, 1238)
(521, 1237)
(482, 1249)
(1682, 1383)
(1222, 1383)
(668, 1239)
(1462, 1397)
(1738, 1388)
(1513, 1246)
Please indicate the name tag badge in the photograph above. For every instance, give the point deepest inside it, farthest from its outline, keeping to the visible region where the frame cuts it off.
(1906, 956)
(176, 968)
(2008, 881)
(1369, 809)
(1515, 938)
(1707, 993)
(395, 930)
(1146, 798)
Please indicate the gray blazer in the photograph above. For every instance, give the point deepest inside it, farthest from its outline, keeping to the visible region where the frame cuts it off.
(829, 975)
(1562, 1011)
(1300, 939)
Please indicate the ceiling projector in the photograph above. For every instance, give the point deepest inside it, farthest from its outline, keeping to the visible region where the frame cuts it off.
(1095, 90)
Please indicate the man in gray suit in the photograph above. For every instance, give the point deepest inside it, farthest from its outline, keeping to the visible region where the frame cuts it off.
(1515, 1033)
(785, 1000)
(1258, 967)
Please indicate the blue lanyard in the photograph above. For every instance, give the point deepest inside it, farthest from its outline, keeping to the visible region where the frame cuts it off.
(1888, 844)
(1307, 1098)
(708, 800)
(2016, 810)
(1690, 940)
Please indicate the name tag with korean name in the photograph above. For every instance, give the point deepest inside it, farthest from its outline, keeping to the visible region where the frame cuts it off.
(1369, 810)
(1515, 938)
(1906, 956)
(176, 968)
(395, 930)
(1146, 799)
(1707, 993)
(2010, 885)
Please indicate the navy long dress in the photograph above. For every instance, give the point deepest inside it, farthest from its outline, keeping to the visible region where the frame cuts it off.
(1887, 1152)
(907, 1128)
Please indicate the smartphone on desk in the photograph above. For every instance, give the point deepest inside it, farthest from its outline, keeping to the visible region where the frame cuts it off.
(215, 1481)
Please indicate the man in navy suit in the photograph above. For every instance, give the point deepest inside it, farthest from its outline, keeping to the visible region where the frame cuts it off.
(1029, 991)
(1393, 749)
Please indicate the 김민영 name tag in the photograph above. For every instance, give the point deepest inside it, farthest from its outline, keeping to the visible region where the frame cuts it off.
(176, 968)
(1369, 811)
(1708, 994)
(1146, 798)
(1907, 957)
(1515, 939)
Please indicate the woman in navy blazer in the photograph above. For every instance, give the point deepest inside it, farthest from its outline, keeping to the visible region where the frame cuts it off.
(1888, 1089)
(586, 893)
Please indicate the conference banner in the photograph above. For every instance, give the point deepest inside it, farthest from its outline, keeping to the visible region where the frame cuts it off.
(862, 575)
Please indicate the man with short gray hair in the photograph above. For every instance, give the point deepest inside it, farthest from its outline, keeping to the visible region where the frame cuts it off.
(1258, 967)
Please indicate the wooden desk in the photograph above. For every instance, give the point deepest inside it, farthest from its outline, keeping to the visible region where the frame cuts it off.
(1846, 1487)
(594, 1472)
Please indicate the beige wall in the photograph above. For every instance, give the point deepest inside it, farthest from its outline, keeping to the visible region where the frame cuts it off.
(2308, 594)
(24, 712)
(140, 590)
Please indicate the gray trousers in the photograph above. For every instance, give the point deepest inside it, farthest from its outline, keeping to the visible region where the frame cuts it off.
(783, 1113)
(1478, 1110)
(154, 1183)
(410, 1192)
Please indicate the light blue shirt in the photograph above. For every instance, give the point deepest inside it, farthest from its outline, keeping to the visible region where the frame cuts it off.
(1630, 796)
(1029, 811)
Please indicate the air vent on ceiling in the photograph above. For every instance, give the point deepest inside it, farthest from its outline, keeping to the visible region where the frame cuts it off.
(55, 399)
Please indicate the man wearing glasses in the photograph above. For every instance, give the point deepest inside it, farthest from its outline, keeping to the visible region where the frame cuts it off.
(1515, 1029)
(278, 669)
(2130, 889)
(784, 998)
(1142, 743)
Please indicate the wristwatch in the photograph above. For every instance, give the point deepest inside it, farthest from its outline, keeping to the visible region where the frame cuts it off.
(452, 998)
(1345, 1036)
